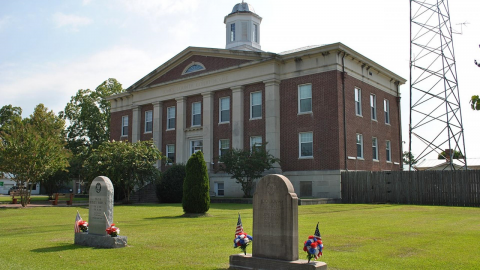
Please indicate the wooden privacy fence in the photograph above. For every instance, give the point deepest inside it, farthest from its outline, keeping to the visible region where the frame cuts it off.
(455, 188)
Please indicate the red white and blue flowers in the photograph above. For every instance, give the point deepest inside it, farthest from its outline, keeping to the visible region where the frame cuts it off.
(112, 230)
(83, 225)
(314, 245)
(242, 240)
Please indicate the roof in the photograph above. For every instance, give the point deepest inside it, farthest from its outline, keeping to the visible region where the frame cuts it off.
(242, 7)
(428, 164)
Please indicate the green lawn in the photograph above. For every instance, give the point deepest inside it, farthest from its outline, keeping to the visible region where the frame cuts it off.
(35, 198)
(354, 236)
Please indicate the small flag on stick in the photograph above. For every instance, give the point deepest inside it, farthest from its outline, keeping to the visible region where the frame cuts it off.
(77, 220)
(108, 223)
(317, 232)
(239, 226)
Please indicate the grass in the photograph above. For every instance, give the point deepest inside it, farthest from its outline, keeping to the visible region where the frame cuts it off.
(36, 198)
(354, 236)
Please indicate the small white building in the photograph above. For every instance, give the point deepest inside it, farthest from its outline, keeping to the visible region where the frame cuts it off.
(443, 164)
(6, 183)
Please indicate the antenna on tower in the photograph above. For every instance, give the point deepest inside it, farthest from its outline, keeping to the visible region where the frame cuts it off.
(435, 114)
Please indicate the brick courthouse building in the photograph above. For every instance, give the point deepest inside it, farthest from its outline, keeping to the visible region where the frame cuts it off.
(322, 109)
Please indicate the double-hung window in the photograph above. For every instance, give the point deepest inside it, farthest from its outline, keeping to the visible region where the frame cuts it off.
(148, 121)
(305, 140)
(255, 141)
(358, 101)
(374, 148)
(170, 153)
(125, 125)
(225, 110)
(171, 118)
(305, 98)
(373, 106)
(196, 146)
(196, 114)
(360, 146)
(232, 32)
(256, 105)
(386, 107)
(388, 151)
(224, 146)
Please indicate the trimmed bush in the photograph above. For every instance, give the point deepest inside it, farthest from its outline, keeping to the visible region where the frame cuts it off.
(170, 187)
(196, 187)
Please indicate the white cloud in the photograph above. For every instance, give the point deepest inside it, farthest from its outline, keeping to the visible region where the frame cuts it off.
(86, 2)
(4, 22)
(70, 21)
(157, 8)
(55, 83)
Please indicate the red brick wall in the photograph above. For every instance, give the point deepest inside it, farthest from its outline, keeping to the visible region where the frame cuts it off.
(170, 136)
(253, 127)
(224, 130)
(116, 125)
(370, 128)
(145, 136)
(190, 100)
(322, 122)
(211, 63)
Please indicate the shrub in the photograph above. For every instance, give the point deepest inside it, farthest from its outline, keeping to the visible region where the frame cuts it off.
(170, 186)
(196, 187)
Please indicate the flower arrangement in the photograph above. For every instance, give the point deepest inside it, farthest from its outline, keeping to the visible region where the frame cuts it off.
(112, 230)
(242, 240)
(83, 225)
(314, 245)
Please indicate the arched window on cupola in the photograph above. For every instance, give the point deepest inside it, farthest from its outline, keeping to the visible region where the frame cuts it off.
(193, 67)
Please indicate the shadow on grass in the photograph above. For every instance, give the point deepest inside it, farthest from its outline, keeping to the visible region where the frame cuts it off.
(220, 206)
(57, 248)
(182, 216)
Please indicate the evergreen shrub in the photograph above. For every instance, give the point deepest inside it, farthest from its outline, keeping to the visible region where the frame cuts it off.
(170, 187)
(196, 187)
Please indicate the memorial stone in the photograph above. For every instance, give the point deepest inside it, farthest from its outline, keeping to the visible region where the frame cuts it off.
(101, 204)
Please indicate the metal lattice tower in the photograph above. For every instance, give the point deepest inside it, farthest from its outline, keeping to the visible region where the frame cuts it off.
(435, 114)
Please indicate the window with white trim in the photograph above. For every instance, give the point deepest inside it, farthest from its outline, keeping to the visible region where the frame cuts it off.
(374, 148)
(148, 121)
(125, 125)
(224, 146)
(360, 146)
(196, 114)
(386, 108)
(256, 105)
(305, 98)
(232, 32)
(255, 33)
(220, 189)
(358, 101)
(373, 106)
(305, 141)
(255, 141)
(170, 118)
(225, 110)
(388, 151)
(170, 153)
(196, 146)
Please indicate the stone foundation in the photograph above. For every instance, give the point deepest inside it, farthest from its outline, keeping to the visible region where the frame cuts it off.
(242, 262)
(98, 241)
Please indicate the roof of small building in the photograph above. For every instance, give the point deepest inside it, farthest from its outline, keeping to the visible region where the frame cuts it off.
(427, 164)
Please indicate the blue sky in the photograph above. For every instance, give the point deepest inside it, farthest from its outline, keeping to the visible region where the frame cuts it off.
(50, 49)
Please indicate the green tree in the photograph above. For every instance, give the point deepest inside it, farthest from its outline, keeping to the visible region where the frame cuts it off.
(32, 149)
(196, 186)
(475, 101)
(8, 114)
(408, 158)
(170, 186)
(245, 166)
(456, 155)
(127, 164)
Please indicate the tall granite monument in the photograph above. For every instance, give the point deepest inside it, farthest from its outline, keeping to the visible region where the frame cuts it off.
(100, 209)
(275, 229)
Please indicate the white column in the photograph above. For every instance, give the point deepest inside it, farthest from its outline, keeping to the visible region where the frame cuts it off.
(208, 125)
(180, 151)
(136, 124)
(157, 127)
(272, 118)
(237, 117)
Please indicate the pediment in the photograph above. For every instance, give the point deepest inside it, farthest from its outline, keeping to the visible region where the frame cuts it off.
(196, 61)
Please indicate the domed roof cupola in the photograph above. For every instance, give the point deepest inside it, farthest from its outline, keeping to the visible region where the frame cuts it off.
(243, 28)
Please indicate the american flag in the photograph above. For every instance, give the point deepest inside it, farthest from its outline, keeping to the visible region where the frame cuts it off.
(317, 232)
(77, 220)
(239, 226)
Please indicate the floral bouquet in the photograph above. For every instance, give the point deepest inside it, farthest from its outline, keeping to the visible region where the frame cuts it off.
(242, 240)
(112, 230)
(314, 246)
(83, 225)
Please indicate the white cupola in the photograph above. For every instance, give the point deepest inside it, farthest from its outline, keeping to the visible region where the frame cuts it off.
(243, 28)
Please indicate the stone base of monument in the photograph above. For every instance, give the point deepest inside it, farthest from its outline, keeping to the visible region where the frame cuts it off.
(242, 262)
(98, 241)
